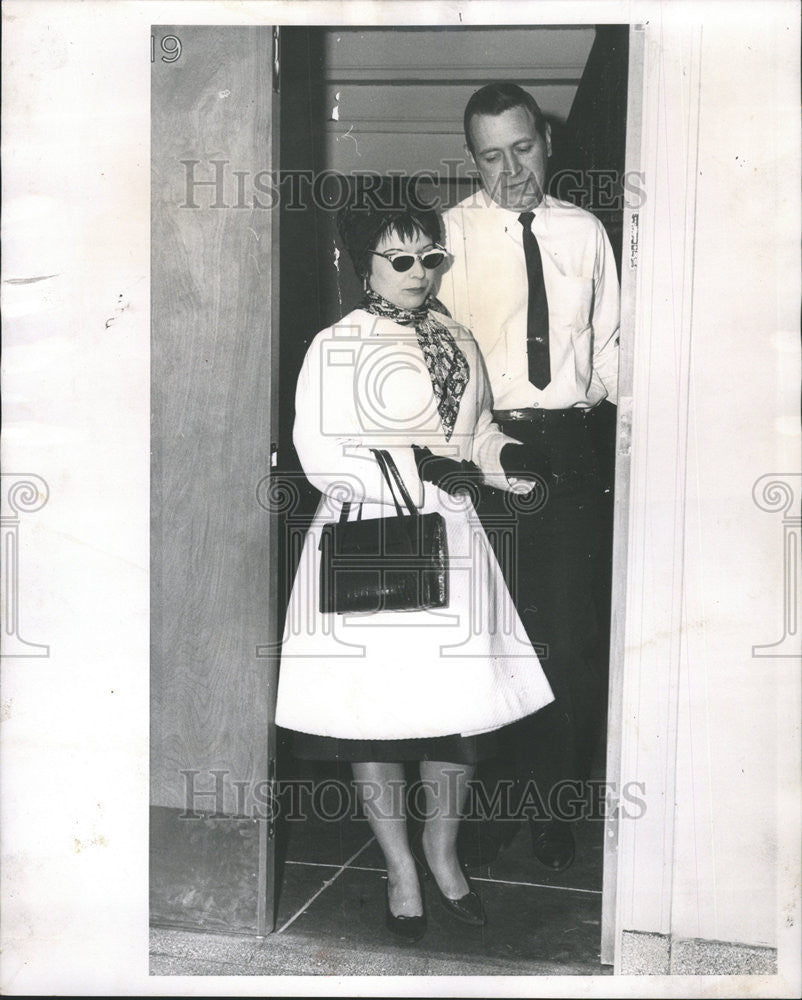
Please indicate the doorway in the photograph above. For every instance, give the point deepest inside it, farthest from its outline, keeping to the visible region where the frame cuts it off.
(373, 100)
(348, 100)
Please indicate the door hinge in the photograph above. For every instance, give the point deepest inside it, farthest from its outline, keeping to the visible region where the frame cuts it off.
(272, 798)
(624, 431)
(276, 59)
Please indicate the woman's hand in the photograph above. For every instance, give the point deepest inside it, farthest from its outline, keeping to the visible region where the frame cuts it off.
(450, 475)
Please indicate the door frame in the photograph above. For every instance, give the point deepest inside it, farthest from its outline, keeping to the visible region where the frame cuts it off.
(651, 456)
(623, 470)
(214, 405)
(639, 408)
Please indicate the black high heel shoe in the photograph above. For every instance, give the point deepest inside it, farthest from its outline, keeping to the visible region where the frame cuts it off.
(467, 909)
(553, 844)
(409, 929)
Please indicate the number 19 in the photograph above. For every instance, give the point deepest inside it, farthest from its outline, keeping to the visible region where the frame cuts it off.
(170, 45)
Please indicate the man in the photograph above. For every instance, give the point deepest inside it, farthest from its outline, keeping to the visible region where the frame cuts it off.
(534, 278)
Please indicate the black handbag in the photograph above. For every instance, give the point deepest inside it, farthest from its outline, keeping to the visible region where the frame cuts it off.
(387, 563)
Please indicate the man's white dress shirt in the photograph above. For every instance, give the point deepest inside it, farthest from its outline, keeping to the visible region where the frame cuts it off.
(486, 289)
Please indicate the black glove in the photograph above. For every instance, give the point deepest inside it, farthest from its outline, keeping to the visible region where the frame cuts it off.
(450, 475)
(522, 463)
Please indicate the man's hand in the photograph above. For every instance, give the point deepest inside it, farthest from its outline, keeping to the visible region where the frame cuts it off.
(519, 462)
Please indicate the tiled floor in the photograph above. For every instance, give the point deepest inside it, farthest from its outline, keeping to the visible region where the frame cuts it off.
(330, 916)
(333, 890)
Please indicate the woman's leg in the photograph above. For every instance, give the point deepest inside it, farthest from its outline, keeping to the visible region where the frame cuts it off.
(446, 788)
(381, 789)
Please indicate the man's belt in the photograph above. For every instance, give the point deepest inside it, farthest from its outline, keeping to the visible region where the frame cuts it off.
(532, 414)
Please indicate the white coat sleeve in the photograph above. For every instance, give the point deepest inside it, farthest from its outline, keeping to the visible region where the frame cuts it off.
(334, 452)
(488, 438)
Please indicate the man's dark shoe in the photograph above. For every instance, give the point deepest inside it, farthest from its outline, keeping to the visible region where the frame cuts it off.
(479, 844)
(553, 844)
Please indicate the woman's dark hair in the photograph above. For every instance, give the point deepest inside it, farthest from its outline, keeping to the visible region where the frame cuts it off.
(378, 206)
(498, 97)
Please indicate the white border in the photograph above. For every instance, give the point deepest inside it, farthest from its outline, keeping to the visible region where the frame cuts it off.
(76, 128)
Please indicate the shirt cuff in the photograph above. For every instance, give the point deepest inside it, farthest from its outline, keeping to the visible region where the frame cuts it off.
(488, 458)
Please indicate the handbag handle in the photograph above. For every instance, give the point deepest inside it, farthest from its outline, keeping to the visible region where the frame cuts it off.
(346, 510)
(388, 466)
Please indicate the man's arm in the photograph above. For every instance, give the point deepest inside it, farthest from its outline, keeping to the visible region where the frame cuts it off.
(606, 315)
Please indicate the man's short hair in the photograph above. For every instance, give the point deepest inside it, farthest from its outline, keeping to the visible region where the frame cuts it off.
(498, 97)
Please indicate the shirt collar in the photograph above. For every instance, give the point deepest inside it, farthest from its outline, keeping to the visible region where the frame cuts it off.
(507, 218)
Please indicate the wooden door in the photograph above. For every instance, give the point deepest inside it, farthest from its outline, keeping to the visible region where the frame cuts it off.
(213, 364)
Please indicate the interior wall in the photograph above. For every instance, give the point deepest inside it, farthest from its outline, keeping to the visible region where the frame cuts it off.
(384, 86)
(744, 318)
(716, 328)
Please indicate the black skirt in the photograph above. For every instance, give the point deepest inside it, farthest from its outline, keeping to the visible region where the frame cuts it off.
(454, 749)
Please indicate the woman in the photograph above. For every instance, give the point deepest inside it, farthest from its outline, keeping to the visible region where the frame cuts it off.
(389, 687)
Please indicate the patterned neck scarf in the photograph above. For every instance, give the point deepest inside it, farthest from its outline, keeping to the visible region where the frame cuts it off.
(448, 367)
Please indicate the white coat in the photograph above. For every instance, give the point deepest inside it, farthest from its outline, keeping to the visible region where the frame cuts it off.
(466, 669)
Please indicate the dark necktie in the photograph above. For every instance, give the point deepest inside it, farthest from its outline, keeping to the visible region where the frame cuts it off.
(537, 317)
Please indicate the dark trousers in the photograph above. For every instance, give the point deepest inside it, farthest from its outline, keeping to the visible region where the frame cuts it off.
(553, 566)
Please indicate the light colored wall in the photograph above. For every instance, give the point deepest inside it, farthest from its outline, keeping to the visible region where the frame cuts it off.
(709, 727)
(744, 333)
(400, 94)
